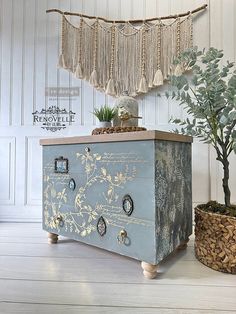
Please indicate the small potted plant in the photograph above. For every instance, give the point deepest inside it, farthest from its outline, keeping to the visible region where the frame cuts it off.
(105, 115)
(209, 96)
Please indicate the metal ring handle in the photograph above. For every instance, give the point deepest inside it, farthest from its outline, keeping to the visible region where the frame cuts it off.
(122, 236)
(59, 220)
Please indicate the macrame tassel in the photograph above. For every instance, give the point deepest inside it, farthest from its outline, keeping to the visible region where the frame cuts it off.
(158, 78)
(78, 72)
(93, 80)
(143, 87)
(111, 89)
(61, 61)
(178, 70)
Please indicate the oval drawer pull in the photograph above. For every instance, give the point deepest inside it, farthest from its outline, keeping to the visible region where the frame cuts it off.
(128, 205)
(72, 184)
(101, 226)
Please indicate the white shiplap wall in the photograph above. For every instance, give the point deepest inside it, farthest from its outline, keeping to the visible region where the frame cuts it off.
(29, 47)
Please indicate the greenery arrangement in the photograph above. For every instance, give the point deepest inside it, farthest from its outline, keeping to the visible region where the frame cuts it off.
(209, 97)
(105, 113)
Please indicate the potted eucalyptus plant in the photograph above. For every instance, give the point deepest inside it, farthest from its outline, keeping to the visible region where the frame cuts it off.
(105, 115)
(209, 96)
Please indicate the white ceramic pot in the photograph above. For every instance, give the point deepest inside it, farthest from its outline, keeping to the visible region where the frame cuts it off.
(104, 124)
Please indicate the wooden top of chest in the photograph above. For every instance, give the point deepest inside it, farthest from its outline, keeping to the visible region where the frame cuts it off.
(118, 137)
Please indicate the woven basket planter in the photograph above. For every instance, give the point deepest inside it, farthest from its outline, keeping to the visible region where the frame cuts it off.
(215, 241)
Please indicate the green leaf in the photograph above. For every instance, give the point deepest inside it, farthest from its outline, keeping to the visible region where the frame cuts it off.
(234, 148)
(223, 120)
(176, 121)
(191, 63)
(233, 134)
(209, 141)
(232, 115)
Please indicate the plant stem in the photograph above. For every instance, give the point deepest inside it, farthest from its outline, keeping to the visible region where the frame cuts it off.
(222, 156)
(225, 181)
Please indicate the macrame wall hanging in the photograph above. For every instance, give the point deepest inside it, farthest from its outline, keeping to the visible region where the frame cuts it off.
(118, 56)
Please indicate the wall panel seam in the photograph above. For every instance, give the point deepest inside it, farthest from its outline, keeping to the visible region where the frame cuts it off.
(11, 60)
(34, 76)
(26, 169)
(46, 61)
(23, 67)
(1, 23)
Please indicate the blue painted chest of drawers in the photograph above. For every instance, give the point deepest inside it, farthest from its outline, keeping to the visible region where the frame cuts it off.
(128, 193)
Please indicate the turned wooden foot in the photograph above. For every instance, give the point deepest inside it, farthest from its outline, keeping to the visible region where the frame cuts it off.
(149, 270)
(183, 245)
(52, 238)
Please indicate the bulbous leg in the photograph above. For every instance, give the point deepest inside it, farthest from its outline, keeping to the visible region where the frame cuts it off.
(52, 238)
(183, 245)
(149, 270)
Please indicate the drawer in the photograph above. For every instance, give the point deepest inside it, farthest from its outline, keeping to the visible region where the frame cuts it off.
(85, 159)
(102, 228)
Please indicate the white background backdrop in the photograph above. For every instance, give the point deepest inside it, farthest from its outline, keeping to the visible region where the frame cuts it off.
(29, 47)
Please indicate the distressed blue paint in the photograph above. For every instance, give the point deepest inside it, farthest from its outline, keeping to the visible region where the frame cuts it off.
(156, 174)
(173, 184)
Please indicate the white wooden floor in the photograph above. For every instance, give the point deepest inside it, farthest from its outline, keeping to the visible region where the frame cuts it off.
(71, 277)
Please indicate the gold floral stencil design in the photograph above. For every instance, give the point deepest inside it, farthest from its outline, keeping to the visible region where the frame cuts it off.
(53, 201)
(82, 219)
(96, 175)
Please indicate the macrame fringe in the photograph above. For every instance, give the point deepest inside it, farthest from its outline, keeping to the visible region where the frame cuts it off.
(111, 88)
(61, 61)
(78, 72)
(143, 86)
(93, 80)
(178, 70)
(114, 58)
(158, 78)
(150, 85)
